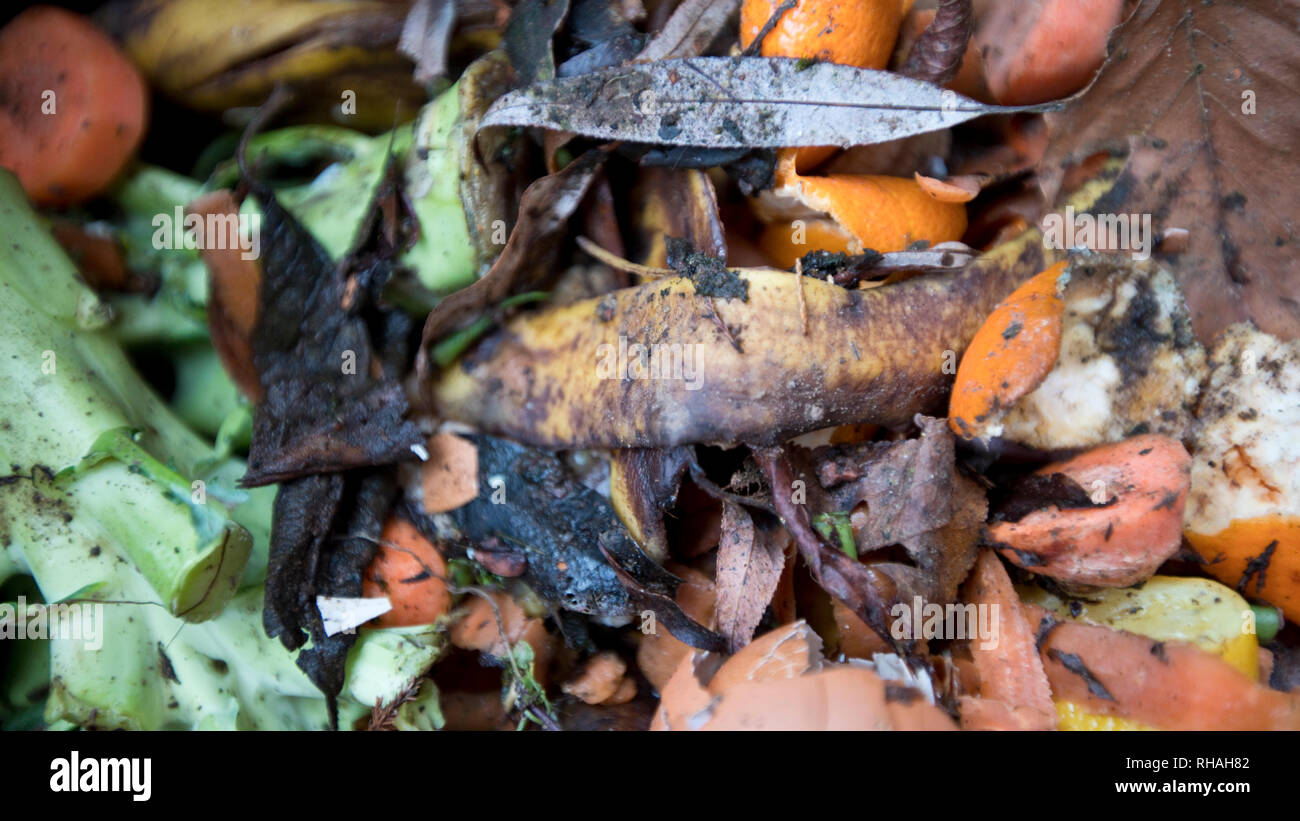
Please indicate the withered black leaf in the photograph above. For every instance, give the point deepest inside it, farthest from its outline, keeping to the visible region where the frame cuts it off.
(328, 405)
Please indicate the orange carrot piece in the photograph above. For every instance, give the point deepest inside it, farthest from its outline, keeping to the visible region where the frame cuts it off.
(72, 107)
(1116, 545)
(1170, 685)
(1013, 689)
(410, 571)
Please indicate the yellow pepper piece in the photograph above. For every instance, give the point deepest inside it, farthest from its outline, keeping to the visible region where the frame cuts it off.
(1167, 608)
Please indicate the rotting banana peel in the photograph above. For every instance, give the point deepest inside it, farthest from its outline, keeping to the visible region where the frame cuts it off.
(213, 56)
(650, 367)
(659, 371)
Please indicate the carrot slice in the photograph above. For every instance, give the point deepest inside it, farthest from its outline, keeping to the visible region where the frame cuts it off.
(1013, 689)
(410, 571)
(1145, 481)
(1170, 685)
(72, 107)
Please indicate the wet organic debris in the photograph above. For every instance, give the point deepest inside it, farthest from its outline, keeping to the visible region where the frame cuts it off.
(526, 259)
(579, 556)
(329, 405)
(707, 273)
(332, 420)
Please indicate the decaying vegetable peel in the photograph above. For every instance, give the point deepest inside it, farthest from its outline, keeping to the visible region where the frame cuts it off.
(552, 378)
(571, 376)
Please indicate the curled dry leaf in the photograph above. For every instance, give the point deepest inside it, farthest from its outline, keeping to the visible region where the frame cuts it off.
(694, 25)
(937, 54)
(739, 102)
(751, 556)
(329, 403)
(544, 211)
(1200, 99)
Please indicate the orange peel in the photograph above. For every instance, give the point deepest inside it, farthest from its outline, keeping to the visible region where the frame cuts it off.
(857, 33)
(850, 213)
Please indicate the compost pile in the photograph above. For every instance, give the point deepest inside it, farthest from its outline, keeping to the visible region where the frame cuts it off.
(695, 364)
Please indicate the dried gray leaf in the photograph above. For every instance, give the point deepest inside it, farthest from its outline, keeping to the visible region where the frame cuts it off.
(426, 34)
(740, 102)
(694, 25)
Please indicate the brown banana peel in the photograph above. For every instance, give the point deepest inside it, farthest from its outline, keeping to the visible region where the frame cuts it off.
(650, 366)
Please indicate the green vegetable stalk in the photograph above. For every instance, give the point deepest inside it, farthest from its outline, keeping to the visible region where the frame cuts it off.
(110, 503)
(89, 437)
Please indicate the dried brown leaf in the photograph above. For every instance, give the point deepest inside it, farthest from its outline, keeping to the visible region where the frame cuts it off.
(694, 25)
(750, 560)
(1201, 97)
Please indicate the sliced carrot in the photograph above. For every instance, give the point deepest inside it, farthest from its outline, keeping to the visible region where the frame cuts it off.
(410, 571)
(72, 107)
(1013, 689)
(1115, 545)
(1011, 353)
(1170, 685)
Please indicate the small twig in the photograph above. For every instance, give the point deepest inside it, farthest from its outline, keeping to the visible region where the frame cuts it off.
(619, 264)
(756, 45)
(280, 97)
(803, 303)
